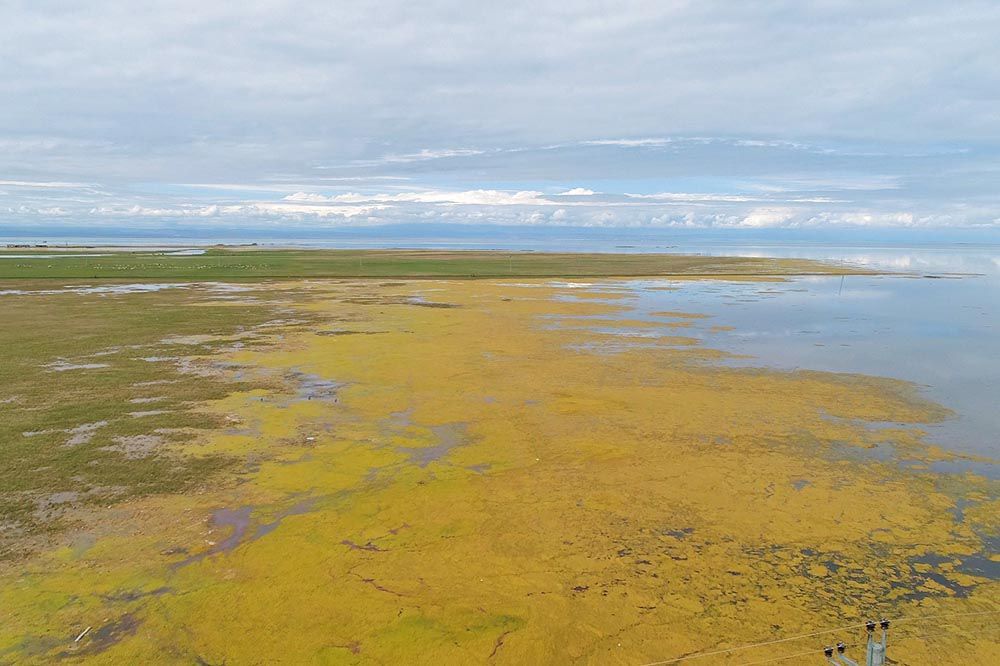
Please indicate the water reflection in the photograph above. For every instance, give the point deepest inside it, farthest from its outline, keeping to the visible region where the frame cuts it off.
(940, 259)
(939, 333)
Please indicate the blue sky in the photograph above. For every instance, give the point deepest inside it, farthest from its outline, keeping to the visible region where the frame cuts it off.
(705, 115)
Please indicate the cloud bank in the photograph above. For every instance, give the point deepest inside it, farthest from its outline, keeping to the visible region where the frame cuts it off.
(650, 112)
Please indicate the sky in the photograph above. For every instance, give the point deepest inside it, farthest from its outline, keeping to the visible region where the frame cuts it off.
(308, 115)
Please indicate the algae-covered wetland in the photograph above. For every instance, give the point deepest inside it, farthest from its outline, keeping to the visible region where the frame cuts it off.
(250, 456)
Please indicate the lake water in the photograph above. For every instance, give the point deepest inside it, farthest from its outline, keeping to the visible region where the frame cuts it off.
(941, 332)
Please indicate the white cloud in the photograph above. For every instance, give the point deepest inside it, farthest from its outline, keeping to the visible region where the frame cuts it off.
(685, 197)
(52, 211)
(485, 111)
(833, 182)
(300, 210)
(309, 197)
(243, 187)
(872, 219)
(251, 214)
(767, 217)
(252, 209)
(46, 184)
(355, 179)
(629, 143)
(467, 197)
(692, 197)
(426, 154)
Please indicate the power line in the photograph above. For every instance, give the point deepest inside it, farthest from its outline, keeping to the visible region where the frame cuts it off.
(870, 628)
(789, 639)
(849, 645)
(786, 657)
(752, 645)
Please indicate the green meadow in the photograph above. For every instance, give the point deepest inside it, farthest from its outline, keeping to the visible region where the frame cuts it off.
(249, 264)
(87, 381)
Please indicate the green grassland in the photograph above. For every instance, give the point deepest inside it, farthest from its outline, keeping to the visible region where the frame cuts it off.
(52, 456)
(250, 264)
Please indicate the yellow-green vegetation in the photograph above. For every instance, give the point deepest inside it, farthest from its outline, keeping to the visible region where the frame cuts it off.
(248, 263)
(457, 471)
(93, 386)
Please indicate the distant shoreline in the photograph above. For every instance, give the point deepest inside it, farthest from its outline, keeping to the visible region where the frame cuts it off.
(253, 263)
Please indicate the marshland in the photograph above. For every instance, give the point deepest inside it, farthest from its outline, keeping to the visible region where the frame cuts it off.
(359, 469)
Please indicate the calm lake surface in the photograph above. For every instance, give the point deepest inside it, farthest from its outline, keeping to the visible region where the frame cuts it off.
(941, 332)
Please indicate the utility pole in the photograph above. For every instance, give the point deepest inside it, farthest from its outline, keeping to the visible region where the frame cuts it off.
(874, 653)
(840, 659)
(876, 648)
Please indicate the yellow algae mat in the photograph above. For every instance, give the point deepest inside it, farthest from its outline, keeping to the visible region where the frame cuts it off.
(466, 472)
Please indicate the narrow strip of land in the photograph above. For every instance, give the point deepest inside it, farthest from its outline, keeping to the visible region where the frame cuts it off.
(244, 264)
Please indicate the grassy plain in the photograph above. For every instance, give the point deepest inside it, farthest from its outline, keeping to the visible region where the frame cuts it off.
(244, 264)
(364, 471)
(85, 374)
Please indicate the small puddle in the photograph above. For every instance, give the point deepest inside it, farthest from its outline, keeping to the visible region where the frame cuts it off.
(240, 521)
(424, 303)
(297, 509)
(449, 436)
(103, 637)
(313, 387)
(135, 595)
